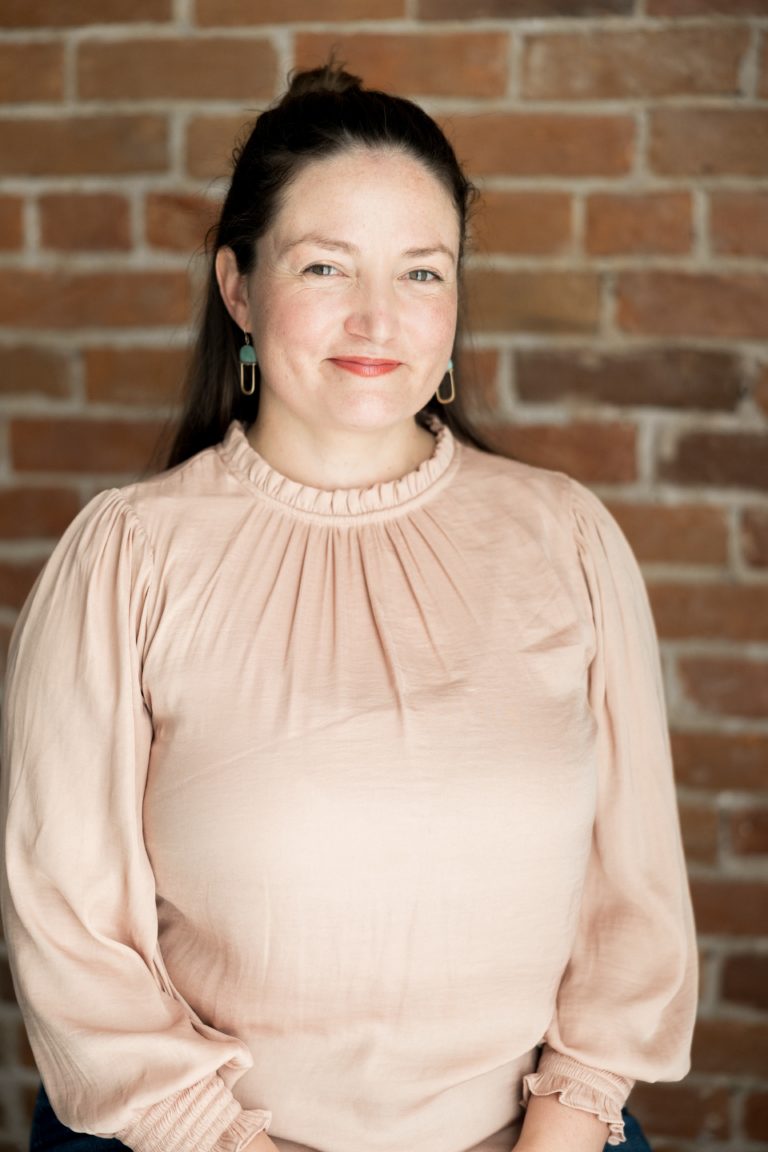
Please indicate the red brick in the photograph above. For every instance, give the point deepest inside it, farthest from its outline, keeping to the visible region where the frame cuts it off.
(738, 223)
(710, 611)
(653, 223)
(213, 68)
(543, 143)
(599, 65)
(745, 980)
(709, 141)
(733, 1047)
(722, 459)
(511, 301)
(754, 536)
(700, 824)
(5, 640)
(756, 1116)
(720, 761)
(526, 223)
(477, 377)
(31, 72)
(82, 446)
(520, 9)
(466, 63)
(664, 378)
(144, 376)
(684, 1110)
(749, 837)
(733, 306)
(726, 686)
(730, 908)
(55, 14)
(32, 370)
(37, 299)
(763, 87)
(178, 221)
(229, 13)
(36, 512)
(11, 222)
(760, 388)
(209, 144)
(707, 7)
(674, 534)
(83, 145)
(72, 221)
(16, 580)
(599, 453)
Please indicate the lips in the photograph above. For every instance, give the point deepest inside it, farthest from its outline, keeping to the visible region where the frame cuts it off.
(365, 365)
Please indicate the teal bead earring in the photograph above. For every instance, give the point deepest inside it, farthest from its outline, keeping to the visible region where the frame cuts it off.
(452, 397)
(247, 367)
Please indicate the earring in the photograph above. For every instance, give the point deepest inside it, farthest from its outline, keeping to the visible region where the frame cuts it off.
(247, 364)
(452, 397)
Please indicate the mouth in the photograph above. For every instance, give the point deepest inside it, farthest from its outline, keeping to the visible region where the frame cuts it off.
(365, 365)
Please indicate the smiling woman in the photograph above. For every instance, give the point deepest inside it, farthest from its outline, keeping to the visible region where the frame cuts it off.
(338, 802)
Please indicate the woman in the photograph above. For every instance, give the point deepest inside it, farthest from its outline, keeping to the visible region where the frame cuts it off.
(339, 803)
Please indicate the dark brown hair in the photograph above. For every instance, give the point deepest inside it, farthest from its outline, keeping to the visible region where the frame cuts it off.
(324, 112)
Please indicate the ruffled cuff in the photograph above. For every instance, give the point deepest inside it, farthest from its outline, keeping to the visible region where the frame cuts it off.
(591, 1089)
(205, 1117)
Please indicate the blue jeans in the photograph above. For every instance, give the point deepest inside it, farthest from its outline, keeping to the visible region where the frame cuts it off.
(49, 1135)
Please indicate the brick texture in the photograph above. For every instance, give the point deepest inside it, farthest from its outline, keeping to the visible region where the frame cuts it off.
(616, 300)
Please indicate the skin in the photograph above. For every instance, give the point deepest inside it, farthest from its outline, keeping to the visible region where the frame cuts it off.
(352, 309)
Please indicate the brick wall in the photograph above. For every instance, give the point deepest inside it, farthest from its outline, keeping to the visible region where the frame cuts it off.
(619, 298)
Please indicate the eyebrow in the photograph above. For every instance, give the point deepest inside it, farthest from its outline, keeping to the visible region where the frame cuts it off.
(342, 246)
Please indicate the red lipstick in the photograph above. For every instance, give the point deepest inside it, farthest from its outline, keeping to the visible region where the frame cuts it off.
(365, 365)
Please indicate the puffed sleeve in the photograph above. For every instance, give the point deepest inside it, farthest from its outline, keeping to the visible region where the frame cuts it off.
(627, 1000)
(119, 1051)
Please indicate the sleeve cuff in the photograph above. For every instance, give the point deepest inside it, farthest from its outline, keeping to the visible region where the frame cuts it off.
(205, 1117)
(590, 1089)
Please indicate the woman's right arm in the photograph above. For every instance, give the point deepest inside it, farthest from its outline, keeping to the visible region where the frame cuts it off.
(119, 1051)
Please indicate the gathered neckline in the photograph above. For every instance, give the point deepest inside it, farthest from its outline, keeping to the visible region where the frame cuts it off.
(385, 497)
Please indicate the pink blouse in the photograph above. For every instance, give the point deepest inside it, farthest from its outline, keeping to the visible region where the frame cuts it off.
(324, 809)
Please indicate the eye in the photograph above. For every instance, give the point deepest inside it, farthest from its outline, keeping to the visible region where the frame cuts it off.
(423, 275)
(321, 269)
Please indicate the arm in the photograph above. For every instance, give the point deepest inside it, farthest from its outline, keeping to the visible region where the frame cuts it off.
(118, 1049)
(550, 1126)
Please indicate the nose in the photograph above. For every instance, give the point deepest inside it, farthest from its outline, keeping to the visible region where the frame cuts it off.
(373, 312)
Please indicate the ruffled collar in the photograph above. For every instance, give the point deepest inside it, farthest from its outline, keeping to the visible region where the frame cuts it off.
(384, 498)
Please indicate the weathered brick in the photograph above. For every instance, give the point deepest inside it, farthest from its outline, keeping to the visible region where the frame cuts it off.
(745, 980)
(510, 301)
(73, 221)
(213, 68)
(16, 580)
(30, 370)
(134, 375)
(543, 143)
(727, 907)
(628, 63)
(710, 611)
(756, 1116)
(228, 13)
(5, 640)
(665, 378)
(730, 305)
(36, 512)
(760, 388)
(721, 760)
(674, 534)
(11, 223)
(684, 1110)
(700, 824)
(520, 9)
(726, 686)
(732, 1047)
(31, 72)
(466, 63)
(35, 299)
(707, 7)
(209, 144)
(753, 535)
(749, 837)
(477, 376)
(526, 223)
(650, 223)
(82, 446)
(591, 452)
(738, 223)
(723, 459)
(709, 141)
(73, 13)
(83, 145)
(179, 221)
(763, 85)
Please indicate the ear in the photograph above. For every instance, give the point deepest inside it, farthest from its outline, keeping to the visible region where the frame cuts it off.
(233, 287)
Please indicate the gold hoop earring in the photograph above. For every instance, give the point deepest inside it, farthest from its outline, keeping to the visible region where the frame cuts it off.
(452, 397)
(247, 366)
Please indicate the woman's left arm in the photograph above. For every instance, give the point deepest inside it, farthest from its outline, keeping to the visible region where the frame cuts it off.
(627, 1000)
